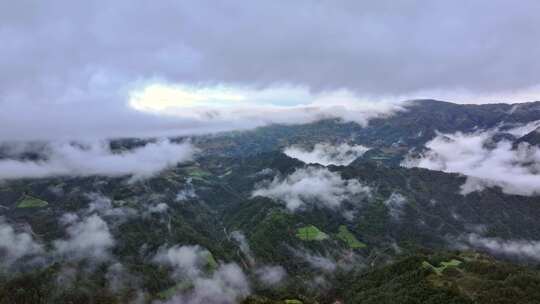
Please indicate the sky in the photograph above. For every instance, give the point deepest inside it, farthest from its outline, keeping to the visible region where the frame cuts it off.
(147, 68)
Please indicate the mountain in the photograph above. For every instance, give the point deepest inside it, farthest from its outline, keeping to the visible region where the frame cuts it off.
(245, 216)
(435, 278)
(418, 123)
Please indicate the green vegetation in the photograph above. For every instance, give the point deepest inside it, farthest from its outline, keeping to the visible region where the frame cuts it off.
(411, 280)
(311, 233)
(443, 266)
(293, 302)
(211, 263)
(27, 201)
(349, 238)
(197, 173)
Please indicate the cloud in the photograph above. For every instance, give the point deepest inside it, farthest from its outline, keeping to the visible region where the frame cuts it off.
(158, 208)
(321, 263)
(187, 261)
(187, 193)
(119, 278)
(327, 154)
(103, 206)
(271, 275)
(316, 261)
(264, 172)
(395, 204)
(16, 245)
(89, 238)
(69, 218)
(524, 129)
(486, 163)
(311, 185)
(517, 248)
(226, 284)
(240, 238)
(96, 158)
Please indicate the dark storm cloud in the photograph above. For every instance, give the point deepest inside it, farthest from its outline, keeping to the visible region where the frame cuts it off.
(76, 62)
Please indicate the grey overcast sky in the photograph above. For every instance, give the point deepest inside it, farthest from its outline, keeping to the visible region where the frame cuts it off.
(67, 68)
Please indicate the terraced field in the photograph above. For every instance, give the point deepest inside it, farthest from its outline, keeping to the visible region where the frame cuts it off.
(311, 233)
(28, 201)
(346, 236)
(443, 266)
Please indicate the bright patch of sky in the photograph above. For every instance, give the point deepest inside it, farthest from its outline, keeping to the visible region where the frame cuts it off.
(161, 97)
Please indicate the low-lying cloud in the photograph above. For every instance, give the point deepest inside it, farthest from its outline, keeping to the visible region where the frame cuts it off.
(517, 248)
(311, 185)
(319, 262)
(186, 261)
(327, 154)
(187, 192)
(119, 278)
(271, 275)
(96, 158)
(267, 275)
(395, 204)
(240, 238)
(15, 245)
(158, 208)
(524, 129)
(484, 162)
(89, 238)
(227, 284)
(103, 206)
